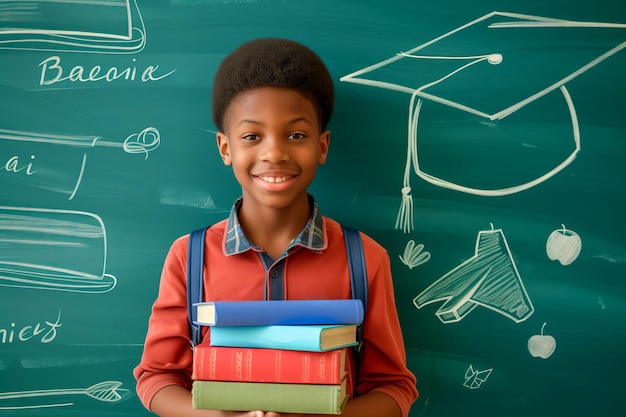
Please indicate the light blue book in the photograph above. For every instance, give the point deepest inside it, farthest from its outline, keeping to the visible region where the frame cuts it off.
(313, 338)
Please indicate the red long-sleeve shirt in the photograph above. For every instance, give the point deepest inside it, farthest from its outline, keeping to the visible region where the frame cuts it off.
(309, 271)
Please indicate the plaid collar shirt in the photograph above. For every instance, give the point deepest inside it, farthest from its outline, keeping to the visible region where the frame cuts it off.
(311, 237)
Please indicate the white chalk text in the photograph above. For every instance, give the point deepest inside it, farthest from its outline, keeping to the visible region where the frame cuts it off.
(44, 332)
(53, 72)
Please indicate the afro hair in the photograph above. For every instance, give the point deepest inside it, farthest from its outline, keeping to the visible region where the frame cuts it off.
(272, 62)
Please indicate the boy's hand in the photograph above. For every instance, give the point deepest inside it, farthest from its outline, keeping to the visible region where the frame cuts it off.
(244, 414)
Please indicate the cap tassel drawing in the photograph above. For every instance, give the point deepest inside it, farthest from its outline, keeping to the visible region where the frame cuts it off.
(503, 42)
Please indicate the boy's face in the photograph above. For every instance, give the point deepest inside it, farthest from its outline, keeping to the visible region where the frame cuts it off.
(273, 140)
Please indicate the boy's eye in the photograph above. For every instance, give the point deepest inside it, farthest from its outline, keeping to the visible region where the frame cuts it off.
(251, 137)
(297, 136)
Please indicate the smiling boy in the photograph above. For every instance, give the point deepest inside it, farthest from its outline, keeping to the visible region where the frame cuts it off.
(274, 142)
(272, 101)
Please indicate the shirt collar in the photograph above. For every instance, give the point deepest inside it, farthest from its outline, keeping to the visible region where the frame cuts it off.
(311, 237)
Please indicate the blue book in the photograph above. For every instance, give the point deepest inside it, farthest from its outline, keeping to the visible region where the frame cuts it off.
(312, 337)
(286, 312)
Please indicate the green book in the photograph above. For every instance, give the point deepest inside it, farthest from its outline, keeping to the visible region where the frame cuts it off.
(284, 398)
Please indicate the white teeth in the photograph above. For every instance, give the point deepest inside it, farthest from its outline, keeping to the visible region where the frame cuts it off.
(274, 179)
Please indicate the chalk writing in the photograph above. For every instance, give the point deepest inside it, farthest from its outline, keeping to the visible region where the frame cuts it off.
(45, 332)
(144, 142)
(13, 165)
(52, 72)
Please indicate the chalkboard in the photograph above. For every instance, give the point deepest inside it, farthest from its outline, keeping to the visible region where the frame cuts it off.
(482, 143)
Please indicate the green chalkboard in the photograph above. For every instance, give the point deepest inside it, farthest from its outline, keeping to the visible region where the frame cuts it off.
(481, 142)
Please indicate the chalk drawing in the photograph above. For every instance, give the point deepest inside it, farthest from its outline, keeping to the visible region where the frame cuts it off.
(474, 379)
(55, 250)
(414, 255)
(488, 279)
(105, 27)
(541, 345)
(143, 142)
(497, 25)
(563, 245)
(106, 391)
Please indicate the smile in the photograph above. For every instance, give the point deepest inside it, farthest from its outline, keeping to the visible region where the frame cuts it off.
(274, 179)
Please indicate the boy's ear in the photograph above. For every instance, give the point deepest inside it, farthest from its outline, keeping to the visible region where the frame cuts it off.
(324, 144)
(223, 147)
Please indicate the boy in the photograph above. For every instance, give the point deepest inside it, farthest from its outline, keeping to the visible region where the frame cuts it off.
(272, 100)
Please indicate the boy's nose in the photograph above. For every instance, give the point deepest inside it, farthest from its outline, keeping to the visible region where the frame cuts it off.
(274, 150)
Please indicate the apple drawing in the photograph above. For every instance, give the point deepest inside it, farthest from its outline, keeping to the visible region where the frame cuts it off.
(541, 346)
(563, 245)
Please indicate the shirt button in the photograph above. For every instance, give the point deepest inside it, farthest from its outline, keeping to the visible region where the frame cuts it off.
(274, 273)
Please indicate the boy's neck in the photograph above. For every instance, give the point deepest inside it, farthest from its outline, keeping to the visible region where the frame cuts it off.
(272, 229)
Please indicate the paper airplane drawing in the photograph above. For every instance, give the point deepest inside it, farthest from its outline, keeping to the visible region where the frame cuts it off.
(474, 379)
(87, 26)
(509, 61)
(488, 279)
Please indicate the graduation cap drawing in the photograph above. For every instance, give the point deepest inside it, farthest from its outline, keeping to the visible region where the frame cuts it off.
(87, 26)
(522, 56)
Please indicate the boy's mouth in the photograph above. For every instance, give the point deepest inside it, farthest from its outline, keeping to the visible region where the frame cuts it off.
(275, 179)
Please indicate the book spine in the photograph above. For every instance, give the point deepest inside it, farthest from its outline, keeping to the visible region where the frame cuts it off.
(284, 312)
(285, 398)
(216, 363)
(306, 338)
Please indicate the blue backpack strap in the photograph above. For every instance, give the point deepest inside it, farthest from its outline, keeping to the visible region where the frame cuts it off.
(195, 265)
(358, 278)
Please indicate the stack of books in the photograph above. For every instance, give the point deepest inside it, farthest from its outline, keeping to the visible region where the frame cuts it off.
(285, 355)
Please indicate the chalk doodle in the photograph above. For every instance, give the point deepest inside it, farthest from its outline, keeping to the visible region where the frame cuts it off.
(141, 143)
(488, 279)
(106, 391)
(541, 345)
(414, 255)
(474, 379)
(55, 250)
(563, 245)
(501, 66)
(104, 27)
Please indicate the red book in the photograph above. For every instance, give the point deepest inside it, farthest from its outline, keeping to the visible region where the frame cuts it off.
(219, 363)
